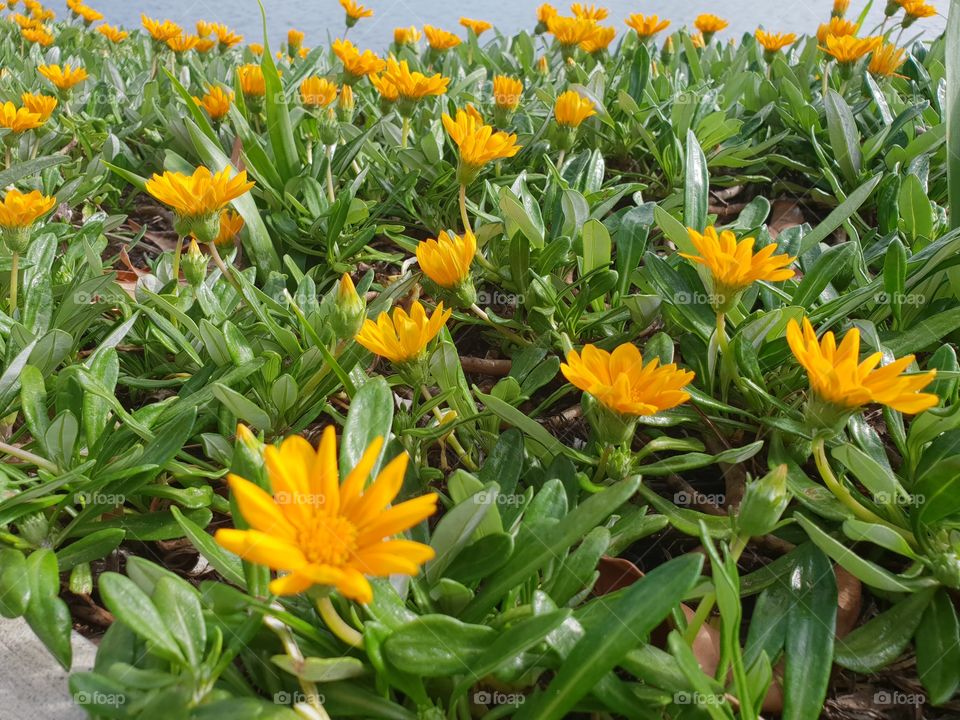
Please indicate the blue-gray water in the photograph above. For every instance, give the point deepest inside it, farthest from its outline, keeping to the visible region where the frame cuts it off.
(322, 18)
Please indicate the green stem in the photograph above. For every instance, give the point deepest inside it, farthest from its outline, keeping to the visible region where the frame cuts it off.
(709, 600)
(463, 210)
(336, 624)
(507, 332)
(451, 438)
(312, 695)
(846, 497)
(560, 159)
(28, 457)
(722, 341)
(224, 270)
(14, 281)
(405, 132)
(177, 251)
(331, 195)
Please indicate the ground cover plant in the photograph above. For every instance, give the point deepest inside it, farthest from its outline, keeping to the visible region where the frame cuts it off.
(593, 371)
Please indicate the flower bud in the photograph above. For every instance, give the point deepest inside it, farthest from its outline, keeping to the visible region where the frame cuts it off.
(329, 127)
(350, 309)
(609, 427)
(194, 264)
(17, 239)
(346, 105)
(204, 228)
(763, 503)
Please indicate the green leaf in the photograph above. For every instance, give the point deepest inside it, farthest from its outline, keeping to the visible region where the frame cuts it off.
(696, 189)
(225, 563)
(370, 417)
(48, 615)
(94, 546)
(839, 214)
(14, 583)
(844, 135)
(133, 608)
(613, 626)
(319, 670)
(952, 111)
(938, 647)
(178, 605)
(414, 648)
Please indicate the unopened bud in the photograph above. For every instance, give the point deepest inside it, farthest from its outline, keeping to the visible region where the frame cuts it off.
(346, 104)
(194, 264)
(350, 309)
(763, 503)
(204, 228)
(609, 427)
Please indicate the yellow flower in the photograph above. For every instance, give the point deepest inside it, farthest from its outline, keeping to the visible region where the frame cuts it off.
(447, 259)
(733, 265)
(294, 40)
(840, 8)
(916, 9)
(886, 60)
(256, 48)
(355, 63)
(622, 383)
(42, 105)
(39, 35)
(160, 31)
(709, 24)
(113, 33)
(320, 531)
(478, 26)
(24, 22)
(317, 92)
(479, 143)
(346, 103)
(440, 40)
(647, 26)
(848, 49)
(402, 338)
(88, 14)
(201, 194)
(838, 377)
(406, 35)
(545, 12)
(696, 38)
(589, 12)
(837, 27)
(598, 40)
(413, 85)
(231, 224)
(388, 91)
(63, 78)
(21, 210)
(226, 37)
(205, 45)
(204, 28)
(571, 109)
(569, 31)
(355, 11)
(216, 102)
(183, 43)
(252, 82)
(507, 92)
(772, 42)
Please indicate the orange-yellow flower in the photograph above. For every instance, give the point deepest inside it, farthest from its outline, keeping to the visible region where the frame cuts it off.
(113, 33)
(696, 38)
(447, 259)
(589, 12)
(646, 26)
(838, 27)
(569, 31)
(256, 48)
(388, 91)
(24, 22)
(356, 64)
(38, 35)
(406, 35)
(733, 265)
(709, 24)
(226, 37)
(848, 49)
(317, 91)
(571, 109)
(183, 43)
(63, 78)
(204, 28)
(440, 40)
(355, 11)
(773, 42)
(161, 31)
(216, 102)
(21, 210)
(43, 105)
(507, 92)
(916, 9)
(840, 8)
(886, 60)
(413, 85)
(321, 531)
(598, 40)
(479, 143)
(838, 378)
(205, 45)
(252, 82)
(231, 224)
(88, 14)
(622, 383)
(478, 26)
(201, 194)
(294, 40)
(402, 338)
